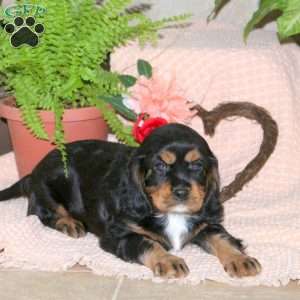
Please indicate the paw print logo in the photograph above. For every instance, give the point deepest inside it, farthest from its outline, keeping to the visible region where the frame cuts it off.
(24, 31)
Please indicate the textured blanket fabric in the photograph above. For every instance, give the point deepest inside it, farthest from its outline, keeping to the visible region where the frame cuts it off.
(212, 65)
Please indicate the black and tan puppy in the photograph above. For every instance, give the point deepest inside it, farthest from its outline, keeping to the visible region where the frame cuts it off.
(140, 202)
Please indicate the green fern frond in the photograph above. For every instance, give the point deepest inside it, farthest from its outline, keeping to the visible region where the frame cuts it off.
(122, 132)
(59, 137)
(64, 70)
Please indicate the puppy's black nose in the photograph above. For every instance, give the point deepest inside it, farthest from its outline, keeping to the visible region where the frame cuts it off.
(181, 192)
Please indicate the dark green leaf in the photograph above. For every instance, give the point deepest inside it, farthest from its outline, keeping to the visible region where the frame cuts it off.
(117, 103)
(127, 80)
(144, 68)
(265, 8)
(288, 23)
(218, 6)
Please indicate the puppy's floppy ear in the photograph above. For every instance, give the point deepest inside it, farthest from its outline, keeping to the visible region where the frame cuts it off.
(139, 201)
(212, 206)
(213, 179)
(137, 171)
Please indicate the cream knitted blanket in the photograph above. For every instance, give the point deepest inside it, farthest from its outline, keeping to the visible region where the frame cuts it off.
(214, 66)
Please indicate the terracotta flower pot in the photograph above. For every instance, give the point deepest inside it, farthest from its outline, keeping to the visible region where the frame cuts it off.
(79, 124)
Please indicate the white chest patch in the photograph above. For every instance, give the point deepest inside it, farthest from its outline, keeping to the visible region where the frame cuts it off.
(176, 229)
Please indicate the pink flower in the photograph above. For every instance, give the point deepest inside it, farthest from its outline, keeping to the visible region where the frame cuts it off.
(160, 96)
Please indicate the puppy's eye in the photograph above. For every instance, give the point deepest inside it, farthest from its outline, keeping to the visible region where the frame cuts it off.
(161, 167)
(196, 166)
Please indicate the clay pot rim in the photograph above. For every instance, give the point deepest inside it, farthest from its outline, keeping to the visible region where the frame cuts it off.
(10, 112)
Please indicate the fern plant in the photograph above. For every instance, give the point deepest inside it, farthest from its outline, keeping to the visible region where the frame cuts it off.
(66, 69)
(288, 19)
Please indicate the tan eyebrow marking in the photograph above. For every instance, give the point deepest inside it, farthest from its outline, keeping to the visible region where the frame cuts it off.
(192, 155)
(168, 157)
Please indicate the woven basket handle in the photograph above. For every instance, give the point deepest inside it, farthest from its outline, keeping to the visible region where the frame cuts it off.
(212, 118)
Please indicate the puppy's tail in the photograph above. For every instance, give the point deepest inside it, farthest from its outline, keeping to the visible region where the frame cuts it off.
(18, 189)
(270, 134)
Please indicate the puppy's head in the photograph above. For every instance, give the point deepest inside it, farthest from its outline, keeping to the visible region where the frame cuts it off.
(177, 170)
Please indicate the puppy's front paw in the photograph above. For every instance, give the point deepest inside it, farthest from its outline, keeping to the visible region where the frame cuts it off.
(71, 227)
(170, 266)
(241, 266)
